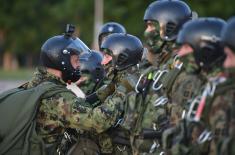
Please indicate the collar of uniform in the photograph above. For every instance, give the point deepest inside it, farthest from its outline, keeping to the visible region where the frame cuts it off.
(41, 75)
(213, 73)
(49, 76)
(230, 72)
(166, 54)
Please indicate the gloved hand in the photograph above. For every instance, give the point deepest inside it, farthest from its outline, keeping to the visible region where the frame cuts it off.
(105, 91)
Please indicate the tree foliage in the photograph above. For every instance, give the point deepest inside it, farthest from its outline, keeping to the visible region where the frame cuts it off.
(25, 25)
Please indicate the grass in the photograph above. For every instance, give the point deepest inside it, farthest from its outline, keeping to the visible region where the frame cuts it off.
(20, 74)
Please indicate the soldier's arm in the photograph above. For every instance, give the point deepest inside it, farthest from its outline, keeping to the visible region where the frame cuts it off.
(77, 113)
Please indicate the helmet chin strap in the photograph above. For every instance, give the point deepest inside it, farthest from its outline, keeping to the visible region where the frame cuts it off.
(71, 76)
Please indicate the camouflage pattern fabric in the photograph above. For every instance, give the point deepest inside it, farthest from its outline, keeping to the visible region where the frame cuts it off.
(65, 110)
(116, 140)
(219, 115)
(191, 131)
(164, 106)
(185, 87)
(143, 116)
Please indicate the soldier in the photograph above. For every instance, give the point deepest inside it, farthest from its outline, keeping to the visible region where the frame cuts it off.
(208, 64)
(59, 108)
(91, 68)
(223, 100)
(201, 51)
(107, 29)
(142, 118)
(126, 51)
(163, 20)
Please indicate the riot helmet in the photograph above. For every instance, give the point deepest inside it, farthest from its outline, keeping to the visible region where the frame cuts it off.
(126, 50)
(109, 28)
(204, 36)
(90, 63)
(57, 51)
(228, 34)
(167, 16)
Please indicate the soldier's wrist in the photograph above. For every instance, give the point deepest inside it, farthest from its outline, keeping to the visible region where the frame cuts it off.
(105, 91)
(92, 98)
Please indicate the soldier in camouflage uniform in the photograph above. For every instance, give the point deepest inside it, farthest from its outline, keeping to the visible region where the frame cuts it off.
(142, 117)
(59, 56)
(223, 102)
(124, 61)
(203, 57)
(107, 146)
(189, 82)
(91, 68)
(215, 110)
(87, 84)
(107, 29)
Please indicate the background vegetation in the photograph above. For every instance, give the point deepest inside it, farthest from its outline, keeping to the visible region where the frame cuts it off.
(26, 24)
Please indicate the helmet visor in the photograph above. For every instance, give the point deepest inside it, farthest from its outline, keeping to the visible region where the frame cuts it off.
(78, 47)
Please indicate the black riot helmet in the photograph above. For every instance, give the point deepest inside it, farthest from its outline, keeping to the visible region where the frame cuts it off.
(109, 28)
(170, 15)
(56, 53)
(126, 50)
(228, 34)
(90, 63)
(204, 36)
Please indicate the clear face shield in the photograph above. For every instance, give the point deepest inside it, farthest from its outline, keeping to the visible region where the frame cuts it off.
(78, 47)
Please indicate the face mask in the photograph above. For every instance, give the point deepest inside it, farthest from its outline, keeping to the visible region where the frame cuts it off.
(189, 63)
(153, 39)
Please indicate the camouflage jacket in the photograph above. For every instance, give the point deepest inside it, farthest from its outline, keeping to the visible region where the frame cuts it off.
(116, 140)
(169, 91)
(193, 134)
(141, 116)
(219, 117)
(65, 110)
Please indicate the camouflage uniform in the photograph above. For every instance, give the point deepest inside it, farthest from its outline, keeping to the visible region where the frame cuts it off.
(186, 85)
(176, 87)
(141, 115)
(65, 110)
(183, 137)
(218, 116)
(116, 140)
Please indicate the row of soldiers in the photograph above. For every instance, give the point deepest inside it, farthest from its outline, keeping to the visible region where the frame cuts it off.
(173, 97)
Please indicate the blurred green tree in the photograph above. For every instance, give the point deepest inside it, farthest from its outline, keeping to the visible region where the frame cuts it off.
(25, 25)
